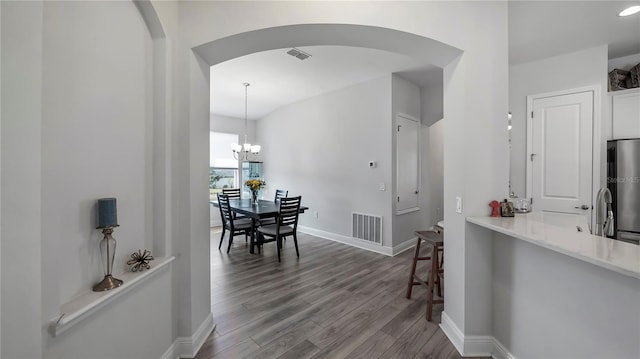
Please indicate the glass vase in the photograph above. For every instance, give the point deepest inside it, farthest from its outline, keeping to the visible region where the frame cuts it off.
(254, 197)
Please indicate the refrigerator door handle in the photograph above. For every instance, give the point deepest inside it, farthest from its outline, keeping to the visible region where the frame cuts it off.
(629, 237)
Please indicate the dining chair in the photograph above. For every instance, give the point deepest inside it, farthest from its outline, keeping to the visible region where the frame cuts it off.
(233, 193)
(236, 226)
(286, 225)
(280, 193)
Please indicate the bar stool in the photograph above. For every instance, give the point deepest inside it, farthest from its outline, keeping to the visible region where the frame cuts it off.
(434, 239)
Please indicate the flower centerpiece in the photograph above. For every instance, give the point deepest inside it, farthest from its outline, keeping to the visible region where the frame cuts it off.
(255, 185)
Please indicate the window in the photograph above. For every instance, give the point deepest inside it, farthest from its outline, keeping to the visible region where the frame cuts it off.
(223, 168)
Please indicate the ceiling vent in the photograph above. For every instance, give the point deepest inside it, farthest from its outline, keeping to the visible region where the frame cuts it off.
(298, 54)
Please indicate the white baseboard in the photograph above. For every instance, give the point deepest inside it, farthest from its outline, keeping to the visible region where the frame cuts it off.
(473, 345)
(500, 352)
(387, 251)
(452, 332)
(188, 347)
(404, 246)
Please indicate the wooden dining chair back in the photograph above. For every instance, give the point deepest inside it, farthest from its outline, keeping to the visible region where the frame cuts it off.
(236, 226)
(280, 193)
(233, 193)
(286, 224)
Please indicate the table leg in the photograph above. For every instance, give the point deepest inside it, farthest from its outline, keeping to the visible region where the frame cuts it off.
(252, 241)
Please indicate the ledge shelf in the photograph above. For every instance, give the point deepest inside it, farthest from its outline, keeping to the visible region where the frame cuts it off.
(88, 303)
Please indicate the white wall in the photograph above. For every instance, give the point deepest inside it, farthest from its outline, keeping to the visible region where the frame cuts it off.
(405, 100)
(435, 171)
(432, 101)
(577, 69)
(475, 98)
(320, 147)
(95, 136)
(21, 153)
(623, 63)
(474, 153)
(80, 126)
(433, 150)
(227, 124)
(548, 305)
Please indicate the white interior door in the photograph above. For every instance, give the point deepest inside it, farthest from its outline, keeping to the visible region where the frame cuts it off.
(407, 176)
(560, 153)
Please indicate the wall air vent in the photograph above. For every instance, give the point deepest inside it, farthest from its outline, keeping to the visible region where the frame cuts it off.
(299, 54)
(367, 227)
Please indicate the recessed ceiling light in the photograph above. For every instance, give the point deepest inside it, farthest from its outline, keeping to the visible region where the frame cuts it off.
(630, 11)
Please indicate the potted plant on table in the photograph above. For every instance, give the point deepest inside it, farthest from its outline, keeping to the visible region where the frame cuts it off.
(255, 185)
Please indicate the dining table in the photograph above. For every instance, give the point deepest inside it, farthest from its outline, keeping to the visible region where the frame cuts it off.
(263, 209)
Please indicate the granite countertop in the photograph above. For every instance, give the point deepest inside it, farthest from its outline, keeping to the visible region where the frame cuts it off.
(558, 232)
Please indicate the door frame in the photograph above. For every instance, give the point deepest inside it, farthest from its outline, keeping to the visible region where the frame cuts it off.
(419, 164)
(598, 144)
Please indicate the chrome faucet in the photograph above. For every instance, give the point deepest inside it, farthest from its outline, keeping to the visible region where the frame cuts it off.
(604, 213)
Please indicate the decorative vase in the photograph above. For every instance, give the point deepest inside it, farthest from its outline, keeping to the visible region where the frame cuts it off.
(107, 253)
(254, 197)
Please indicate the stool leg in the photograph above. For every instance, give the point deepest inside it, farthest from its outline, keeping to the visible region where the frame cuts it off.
(413, 269)
(432, 274)
(439, 288)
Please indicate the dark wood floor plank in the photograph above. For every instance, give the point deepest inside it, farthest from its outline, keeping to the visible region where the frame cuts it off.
(409, 344)
(303, 350)
(352, 336)
(437, 347)
(373, 347)
(286, 340)
(335, 301)
(406, 319)
(240, 334)
(244, 349)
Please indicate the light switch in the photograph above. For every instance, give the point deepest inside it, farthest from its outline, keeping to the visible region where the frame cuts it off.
(382, 186)
(458, 204)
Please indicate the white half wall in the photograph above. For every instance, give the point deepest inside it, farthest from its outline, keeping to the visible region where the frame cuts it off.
(135, 325)
(320, 148)
(548, 305)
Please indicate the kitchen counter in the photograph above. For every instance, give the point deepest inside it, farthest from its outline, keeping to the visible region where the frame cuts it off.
(559, 233)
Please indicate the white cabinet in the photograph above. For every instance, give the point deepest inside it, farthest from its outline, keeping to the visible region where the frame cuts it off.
(625, 108)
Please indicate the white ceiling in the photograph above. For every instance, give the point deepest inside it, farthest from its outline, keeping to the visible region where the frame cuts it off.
(537, 29)
(278, 79)
(540, 29)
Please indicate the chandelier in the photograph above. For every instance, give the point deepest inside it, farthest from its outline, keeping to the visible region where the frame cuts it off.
(246, 150)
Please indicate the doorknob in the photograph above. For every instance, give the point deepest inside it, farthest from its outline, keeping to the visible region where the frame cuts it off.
(583, 207)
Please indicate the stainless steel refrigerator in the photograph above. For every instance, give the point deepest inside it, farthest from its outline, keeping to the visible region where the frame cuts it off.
(623, 180)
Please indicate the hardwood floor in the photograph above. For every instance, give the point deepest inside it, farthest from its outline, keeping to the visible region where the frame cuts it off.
(335, 301)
